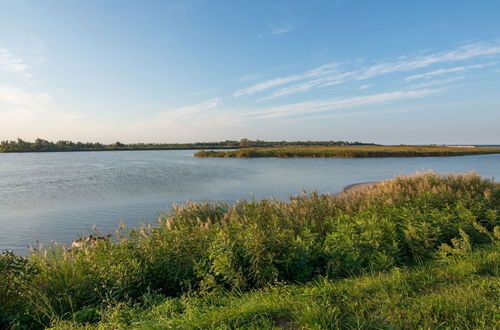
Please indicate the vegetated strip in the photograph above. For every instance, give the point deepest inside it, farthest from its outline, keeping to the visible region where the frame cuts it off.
(349, 151)
(40, 145)
(458, 291)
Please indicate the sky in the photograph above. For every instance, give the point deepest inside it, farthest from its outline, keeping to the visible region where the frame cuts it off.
(391, 72)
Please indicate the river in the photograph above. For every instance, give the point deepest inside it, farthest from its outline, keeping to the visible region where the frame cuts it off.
(57, 196)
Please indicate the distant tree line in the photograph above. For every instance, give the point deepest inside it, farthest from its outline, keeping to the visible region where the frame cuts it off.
(41, 145)
(245, 143)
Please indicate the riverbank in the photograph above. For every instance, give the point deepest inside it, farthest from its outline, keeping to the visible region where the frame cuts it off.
(349, 152)
(358, 186)
(202, 257)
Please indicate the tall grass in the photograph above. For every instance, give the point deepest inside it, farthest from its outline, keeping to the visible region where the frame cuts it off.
(459, 291)
(208, 248)
(349, 151)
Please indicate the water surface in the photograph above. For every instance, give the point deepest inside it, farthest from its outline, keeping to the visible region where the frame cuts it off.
(56, 196)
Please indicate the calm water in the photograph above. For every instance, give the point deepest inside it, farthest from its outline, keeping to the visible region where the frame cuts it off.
(56, 196)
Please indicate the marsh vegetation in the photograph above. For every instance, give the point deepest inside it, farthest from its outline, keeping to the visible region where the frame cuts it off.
(350, 151)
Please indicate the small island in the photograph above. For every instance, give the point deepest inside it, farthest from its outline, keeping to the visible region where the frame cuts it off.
(348, 151)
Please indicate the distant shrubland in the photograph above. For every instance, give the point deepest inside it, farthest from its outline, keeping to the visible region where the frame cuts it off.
(349, 151)
(411, 252)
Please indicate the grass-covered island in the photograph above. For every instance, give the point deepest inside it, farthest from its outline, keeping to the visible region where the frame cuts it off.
(411, 252)
(350, 151)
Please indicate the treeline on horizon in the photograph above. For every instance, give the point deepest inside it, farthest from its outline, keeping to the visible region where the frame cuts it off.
(41, 145)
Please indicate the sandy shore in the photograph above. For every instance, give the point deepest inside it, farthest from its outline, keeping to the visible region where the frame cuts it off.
(359, 186)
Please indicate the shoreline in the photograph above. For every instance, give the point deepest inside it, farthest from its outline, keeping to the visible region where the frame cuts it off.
(359, 186)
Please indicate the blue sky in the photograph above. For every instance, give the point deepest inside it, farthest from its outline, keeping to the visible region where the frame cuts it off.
(174, 71)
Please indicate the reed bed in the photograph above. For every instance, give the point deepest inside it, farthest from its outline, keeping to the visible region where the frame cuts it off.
(207, 255)
(348, 151)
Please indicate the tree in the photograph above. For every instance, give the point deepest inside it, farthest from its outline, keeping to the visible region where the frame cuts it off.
(244, 143)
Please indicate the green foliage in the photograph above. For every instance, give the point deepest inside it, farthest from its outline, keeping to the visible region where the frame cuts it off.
(347, 151)
(15, 272)
(41, 145)
(204, 249)
(452, 292)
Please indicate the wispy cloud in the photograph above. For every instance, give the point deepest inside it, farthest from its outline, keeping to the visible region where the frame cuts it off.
(448, 70)
(193, 109)
(11, 63)
(276, 82)
(438, 82)
(247, 77)
(417, 62)
(216, 112)
(276, 30)
(306, 86)
(357, 113)
(317, 106)
(331, 74)
(366, 86)
(182, 114)
(294, 89)
(19, 97)
(262, 86)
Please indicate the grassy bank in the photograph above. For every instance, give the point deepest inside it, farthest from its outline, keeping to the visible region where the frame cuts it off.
(349, 151)
(418, 251)
(458, 292)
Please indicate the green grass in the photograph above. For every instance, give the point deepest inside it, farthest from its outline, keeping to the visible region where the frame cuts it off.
(456, 292)
(349, 151)
(316, 258)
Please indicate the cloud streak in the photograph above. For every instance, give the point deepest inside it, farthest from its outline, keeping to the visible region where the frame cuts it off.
(331, 80)
(330, 74)
(193, 109)
(272, 83)
(366, 86)
(438, 82)
(276, 30)
(216, 112)
(445, 71)
(417, 62)
(318, 106)
(19, 97)
(11, 63)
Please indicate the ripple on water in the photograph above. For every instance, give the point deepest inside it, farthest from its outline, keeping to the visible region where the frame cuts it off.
(56, 196)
